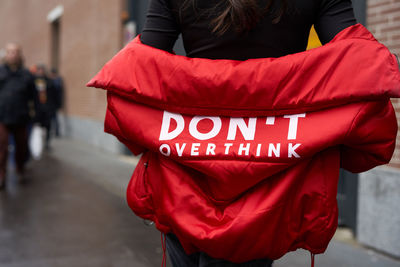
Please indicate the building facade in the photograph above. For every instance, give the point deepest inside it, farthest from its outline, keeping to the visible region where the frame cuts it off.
(383, 20)
(77, 38)
(378, 219)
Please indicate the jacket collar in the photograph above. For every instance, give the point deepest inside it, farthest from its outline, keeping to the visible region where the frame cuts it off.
(353, 67)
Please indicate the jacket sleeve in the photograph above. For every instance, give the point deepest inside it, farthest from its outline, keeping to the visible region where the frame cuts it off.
(371, 139)
(111, 126)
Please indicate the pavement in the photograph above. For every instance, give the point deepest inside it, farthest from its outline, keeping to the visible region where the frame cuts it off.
(71, 211)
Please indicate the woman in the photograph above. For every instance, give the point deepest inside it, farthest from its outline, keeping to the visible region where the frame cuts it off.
(239, 30)
(241, 159)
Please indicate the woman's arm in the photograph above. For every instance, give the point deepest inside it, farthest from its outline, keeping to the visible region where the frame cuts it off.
(333, 16)
(161, 29)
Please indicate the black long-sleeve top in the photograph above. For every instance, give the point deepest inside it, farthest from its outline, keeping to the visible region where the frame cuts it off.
(16, 91)
(165, 21)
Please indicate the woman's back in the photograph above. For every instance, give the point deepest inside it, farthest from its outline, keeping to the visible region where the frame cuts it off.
(167, 18)
(276, 34)
(222, 196)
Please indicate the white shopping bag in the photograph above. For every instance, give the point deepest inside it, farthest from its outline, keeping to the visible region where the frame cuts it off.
(36, 141)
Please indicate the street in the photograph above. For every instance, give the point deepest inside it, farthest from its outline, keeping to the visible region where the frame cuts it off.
(71, 211)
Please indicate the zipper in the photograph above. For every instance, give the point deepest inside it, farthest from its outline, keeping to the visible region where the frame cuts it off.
(312, 259)
(164, 248)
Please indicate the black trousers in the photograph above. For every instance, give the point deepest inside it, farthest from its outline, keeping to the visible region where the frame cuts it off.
(21, 146)
(179, 258)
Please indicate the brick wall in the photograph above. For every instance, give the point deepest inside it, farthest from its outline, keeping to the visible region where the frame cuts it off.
(90, 34)
(383, 20)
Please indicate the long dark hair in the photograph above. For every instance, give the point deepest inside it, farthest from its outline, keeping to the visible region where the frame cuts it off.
(240, 15)
(243, 15)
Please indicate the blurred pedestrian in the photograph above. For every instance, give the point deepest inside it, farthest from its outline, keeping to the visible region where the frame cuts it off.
(46, 100)
(16, 91)
(32, 69)
(58, 83)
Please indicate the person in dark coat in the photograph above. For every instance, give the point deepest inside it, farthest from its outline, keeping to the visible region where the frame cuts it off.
(46, 100)
(16, 91)
(58, 83)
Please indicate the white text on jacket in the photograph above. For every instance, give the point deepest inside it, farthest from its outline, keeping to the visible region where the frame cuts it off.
(220, 136)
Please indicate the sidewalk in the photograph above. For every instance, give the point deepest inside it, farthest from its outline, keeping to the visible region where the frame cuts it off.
(72, 212)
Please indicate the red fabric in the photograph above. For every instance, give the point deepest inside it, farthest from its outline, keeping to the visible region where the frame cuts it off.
(223, 168)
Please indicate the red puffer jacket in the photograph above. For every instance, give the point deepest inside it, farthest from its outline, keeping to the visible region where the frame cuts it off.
(241, 158)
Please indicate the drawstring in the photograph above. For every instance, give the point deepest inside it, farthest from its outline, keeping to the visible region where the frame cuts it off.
(312, 259)
(164, 248)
